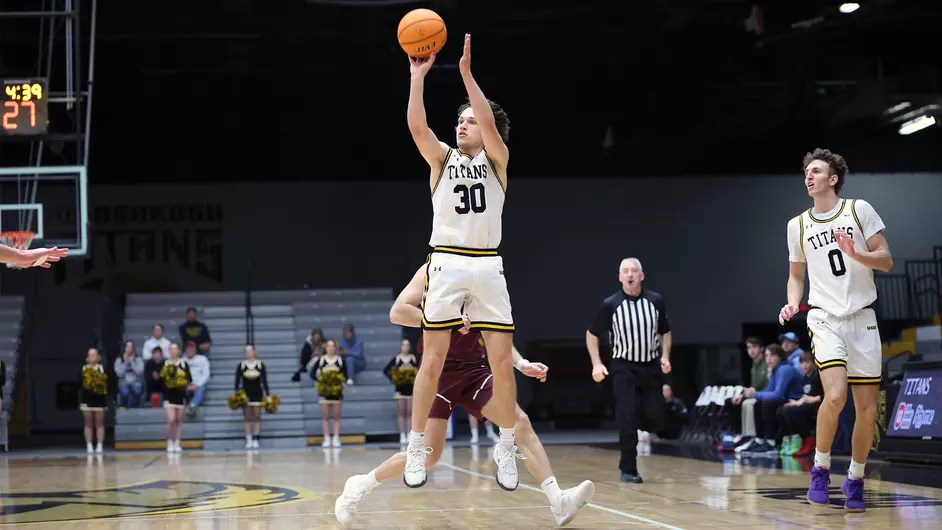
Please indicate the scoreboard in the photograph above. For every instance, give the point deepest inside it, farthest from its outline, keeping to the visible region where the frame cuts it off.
(25, 107)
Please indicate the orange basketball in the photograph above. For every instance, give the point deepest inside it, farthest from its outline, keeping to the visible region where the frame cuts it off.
(421, 32)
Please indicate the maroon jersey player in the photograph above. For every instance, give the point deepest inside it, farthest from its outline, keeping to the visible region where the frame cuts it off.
(466, 381)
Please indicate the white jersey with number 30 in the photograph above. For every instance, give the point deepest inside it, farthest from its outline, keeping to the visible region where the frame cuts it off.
(467, 203)
(839, 285)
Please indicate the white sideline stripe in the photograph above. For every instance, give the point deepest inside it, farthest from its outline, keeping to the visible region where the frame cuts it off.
(590, 505)
(220, 516)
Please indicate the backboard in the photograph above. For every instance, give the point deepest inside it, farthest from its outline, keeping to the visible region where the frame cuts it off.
(51, 201)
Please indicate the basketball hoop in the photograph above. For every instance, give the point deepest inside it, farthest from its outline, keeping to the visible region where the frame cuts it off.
(19, 239)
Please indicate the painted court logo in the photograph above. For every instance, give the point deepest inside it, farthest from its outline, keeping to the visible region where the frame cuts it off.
(159, 497)
(874, 499)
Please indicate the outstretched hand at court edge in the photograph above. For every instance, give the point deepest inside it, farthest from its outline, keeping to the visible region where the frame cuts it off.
(38, 257)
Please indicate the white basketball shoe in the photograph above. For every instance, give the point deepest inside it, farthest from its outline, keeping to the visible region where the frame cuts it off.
(345, 507)
(506, 455)
(568, 504)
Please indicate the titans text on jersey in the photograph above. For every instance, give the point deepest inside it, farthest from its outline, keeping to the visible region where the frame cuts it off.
(476, 172)
(826, 237)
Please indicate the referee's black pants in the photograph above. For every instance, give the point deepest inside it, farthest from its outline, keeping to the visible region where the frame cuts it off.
(639, 404)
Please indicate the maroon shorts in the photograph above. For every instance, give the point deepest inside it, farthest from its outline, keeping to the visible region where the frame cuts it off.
(468, 384)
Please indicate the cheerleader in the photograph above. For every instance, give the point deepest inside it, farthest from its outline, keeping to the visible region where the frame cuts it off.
(176, 377)
(94, 399)
(252, 378)
(330, 400)
(403, 394)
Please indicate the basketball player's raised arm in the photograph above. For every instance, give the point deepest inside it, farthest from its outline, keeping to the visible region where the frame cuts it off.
(33, 257)
(405, 311)
(494, 145)
(432, 150)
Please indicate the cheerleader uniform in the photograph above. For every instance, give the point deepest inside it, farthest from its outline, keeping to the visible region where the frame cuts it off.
(403, 391)
(175, 398)
(251, 377)
(323, 364)
(90, 400)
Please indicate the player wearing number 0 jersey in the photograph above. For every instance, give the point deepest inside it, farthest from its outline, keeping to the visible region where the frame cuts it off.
(464, 269)
(839, 242)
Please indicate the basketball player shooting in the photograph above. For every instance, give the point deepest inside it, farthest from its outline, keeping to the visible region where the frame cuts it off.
(840, 242)
(467, 184)
(465, 382)
(35, 257)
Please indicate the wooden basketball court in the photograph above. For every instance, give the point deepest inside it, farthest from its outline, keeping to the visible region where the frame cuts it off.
(297, 489)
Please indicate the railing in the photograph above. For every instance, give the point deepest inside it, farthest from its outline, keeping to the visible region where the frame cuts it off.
(249, 317)
(894, 302)
(925, 286)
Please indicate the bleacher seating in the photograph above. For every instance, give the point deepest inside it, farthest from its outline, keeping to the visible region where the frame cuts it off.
(11, 318)
(282, 321)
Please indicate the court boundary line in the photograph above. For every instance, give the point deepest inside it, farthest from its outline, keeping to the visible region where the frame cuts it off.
(590, 505)
(216, 516)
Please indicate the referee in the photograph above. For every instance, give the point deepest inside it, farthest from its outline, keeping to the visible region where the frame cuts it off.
(634, 322)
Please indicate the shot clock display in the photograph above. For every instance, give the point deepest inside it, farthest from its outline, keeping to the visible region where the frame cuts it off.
(25, 105)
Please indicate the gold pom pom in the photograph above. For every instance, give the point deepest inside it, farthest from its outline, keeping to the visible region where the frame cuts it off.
(271, 404)
(94, 381)
(330, 384)
(403, 375)
(238, 400)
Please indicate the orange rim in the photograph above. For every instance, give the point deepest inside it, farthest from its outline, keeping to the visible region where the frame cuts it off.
(20, 239)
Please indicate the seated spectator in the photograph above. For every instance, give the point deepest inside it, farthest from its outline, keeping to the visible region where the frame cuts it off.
(797, 417)
(157, 341)
(199, 371)
(312, 349)
(742, 426)
(676, 417)
(129, 370)
(155, 385)
(789, 343)
(195, 331)
(351, 348)
(784, 384)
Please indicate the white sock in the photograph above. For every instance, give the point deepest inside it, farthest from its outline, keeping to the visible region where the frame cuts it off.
(370, 480)
(856, 470)
(507, 435)
(418, 437)
(89, 446)
(551, 489)
(823, 460)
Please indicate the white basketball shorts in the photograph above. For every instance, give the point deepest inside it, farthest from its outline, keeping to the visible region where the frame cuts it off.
(851, 341)
(468, 278)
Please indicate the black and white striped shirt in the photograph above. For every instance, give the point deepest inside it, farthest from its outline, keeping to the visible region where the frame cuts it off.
(633, 325)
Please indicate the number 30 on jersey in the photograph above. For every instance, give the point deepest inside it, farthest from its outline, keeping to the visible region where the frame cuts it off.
(470, 198)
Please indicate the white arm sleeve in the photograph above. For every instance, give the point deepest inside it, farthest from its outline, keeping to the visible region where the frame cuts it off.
(795, 252)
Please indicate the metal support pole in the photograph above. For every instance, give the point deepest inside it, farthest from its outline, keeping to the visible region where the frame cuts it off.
(90, 82)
